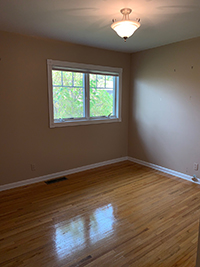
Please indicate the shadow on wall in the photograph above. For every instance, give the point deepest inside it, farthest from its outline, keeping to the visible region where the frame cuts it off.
(137, 148)
(164, 123)
(158, 130)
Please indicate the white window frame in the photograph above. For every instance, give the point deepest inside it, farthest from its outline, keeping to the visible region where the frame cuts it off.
(84, 68)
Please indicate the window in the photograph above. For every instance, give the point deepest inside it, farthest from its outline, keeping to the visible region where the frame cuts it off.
(83, 94)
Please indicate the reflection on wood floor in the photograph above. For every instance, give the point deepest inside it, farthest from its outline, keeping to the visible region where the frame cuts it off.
(119, 215)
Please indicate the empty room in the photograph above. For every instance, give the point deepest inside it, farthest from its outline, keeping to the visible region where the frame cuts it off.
(100, 133)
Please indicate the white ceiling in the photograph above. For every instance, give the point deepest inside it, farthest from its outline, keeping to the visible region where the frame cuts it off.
(88, 21)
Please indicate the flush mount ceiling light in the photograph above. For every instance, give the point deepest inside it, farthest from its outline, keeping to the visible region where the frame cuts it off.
(125, 27)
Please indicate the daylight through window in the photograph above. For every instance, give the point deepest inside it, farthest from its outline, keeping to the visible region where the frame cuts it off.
(83, 94)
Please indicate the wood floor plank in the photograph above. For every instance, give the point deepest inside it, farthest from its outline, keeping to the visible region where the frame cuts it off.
(118, 215)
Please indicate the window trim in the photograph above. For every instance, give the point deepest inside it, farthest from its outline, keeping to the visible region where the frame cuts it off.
(84, 68)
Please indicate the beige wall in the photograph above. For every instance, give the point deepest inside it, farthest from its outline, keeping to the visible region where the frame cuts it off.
(25, 136)
(164, 123)
(164, 114)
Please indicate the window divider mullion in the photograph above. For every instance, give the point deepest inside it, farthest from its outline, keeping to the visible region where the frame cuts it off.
(87, 96)
(116, 100)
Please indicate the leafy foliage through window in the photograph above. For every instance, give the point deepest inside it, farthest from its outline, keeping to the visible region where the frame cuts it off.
(80, 95)
(102, 95)
(68, 94)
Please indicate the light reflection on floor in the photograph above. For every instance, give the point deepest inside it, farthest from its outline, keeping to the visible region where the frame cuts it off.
(81, 232)
(70, 238)
(101, 223)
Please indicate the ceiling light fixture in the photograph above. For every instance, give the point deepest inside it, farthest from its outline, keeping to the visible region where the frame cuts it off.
(125, 27)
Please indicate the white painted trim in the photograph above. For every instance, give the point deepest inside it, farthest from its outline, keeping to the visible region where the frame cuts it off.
(162, 169)
(84, 121)
(59, 174)
(84, 67)
(95, 165)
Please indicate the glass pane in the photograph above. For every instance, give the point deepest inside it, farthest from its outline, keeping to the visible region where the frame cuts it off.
(109, 81)
(67, 78)
(101, 98)
(78, 79)
(68, 101)
(56, 77)
(93, 80)
(100, 81)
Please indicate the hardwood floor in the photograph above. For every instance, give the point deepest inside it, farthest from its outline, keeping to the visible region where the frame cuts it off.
(119, 215)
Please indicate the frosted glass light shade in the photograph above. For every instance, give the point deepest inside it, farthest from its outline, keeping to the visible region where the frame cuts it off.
(125, 28)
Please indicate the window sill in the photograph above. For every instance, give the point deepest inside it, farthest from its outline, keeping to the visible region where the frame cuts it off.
(83, 122)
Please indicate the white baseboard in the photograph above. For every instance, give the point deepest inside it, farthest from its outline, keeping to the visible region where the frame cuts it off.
(162, 169)
(59, 174)
(92, 166)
